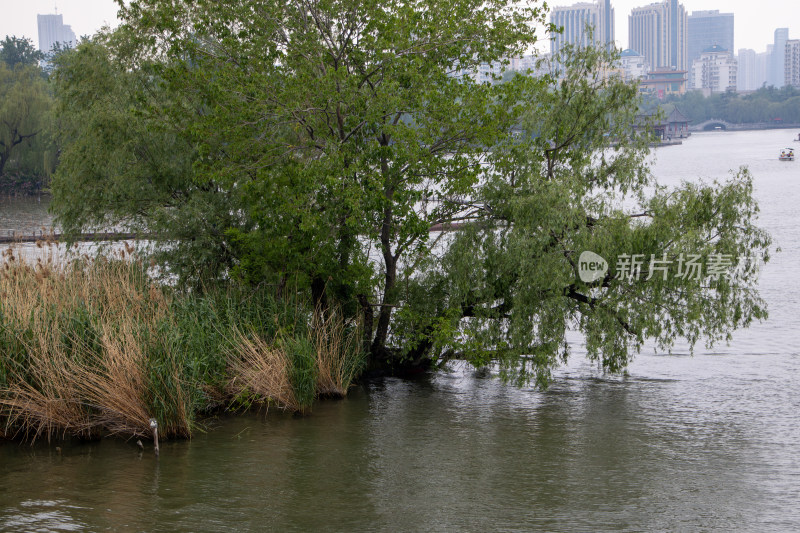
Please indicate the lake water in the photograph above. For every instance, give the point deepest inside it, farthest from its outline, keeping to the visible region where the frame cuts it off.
(681, 443)
(24, 214)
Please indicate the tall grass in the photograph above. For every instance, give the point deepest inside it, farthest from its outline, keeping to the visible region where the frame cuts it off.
(337, 346)
(95, 347)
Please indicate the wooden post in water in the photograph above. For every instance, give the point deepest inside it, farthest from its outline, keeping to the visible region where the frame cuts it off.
(154, 427)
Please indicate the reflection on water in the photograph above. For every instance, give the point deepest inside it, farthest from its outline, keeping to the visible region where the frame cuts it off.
(679, 443)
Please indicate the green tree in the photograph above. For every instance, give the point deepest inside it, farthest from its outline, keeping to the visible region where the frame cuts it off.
(19, 51)
(315, 144)
(26, 149)
(329, 127)
(764, 105)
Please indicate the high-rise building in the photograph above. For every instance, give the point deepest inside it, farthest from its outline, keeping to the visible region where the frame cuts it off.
(659, 32)
(792, 63)
(706, 29)
(575, 19)
(52, 30)
(607, 22)
(752, 69)
(715, 70)
(709, 28)
(777, 76)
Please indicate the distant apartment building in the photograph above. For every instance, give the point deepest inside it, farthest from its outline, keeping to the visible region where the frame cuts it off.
(776, 75)
(752, 69)
(52, 30)
(526, 63)
(664, 81)
(792, 63)
(534, 65)
(633, 64)
(659, 32)
(706, 29)
(714, 71)
(489, 71)
(578, 20)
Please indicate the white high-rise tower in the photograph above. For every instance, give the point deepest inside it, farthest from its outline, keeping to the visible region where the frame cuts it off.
(52, 30)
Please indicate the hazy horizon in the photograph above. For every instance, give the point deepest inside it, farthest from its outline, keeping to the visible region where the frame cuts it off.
(754, 23)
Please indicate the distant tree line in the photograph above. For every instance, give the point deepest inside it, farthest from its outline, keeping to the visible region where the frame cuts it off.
(767, 104)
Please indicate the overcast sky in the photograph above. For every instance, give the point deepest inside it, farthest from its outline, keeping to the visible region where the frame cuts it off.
(755, 21)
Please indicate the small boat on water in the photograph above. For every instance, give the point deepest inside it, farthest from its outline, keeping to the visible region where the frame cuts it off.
(787, 154)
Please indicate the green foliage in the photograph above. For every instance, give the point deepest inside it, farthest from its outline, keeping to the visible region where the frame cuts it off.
(314, 142)
(203, 327)
(27, 152)
(304, 371)
(123, 165)
(19, 51)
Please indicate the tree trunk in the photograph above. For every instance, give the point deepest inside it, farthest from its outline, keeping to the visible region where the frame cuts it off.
(390, 261)
(318, 294)
(4, 156)
(366, 310)
(390, 279)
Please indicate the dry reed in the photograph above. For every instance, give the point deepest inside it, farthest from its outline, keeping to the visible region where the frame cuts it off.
(82, 332)
(44, 401)
(260, 372)
(337, 346)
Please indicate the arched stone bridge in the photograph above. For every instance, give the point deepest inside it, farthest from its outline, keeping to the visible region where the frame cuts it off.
(713, 124)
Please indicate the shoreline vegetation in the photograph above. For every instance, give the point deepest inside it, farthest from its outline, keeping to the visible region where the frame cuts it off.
(91, 348)
(20, 185)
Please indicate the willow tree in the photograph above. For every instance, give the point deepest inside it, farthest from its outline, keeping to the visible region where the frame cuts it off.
(24, 120)
(24, 111)
(574, 193)
(331, 136)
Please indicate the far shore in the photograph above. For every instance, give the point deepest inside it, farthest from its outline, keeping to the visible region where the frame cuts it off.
(753, 126)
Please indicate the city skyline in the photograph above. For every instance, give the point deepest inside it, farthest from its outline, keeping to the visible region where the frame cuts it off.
(755, 23)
